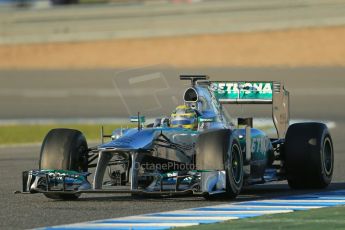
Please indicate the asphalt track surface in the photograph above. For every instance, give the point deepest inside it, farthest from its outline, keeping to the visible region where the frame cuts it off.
(316, 94)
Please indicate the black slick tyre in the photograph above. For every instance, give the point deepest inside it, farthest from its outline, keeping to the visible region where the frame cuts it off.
(309, 157)
(64, 149)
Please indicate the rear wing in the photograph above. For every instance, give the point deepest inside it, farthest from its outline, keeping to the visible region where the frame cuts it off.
(256, 92)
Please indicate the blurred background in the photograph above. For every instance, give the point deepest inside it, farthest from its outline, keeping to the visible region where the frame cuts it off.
(79, 61)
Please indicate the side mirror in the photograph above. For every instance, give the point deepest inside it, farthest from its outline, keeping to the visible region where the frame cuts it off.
(140, 119)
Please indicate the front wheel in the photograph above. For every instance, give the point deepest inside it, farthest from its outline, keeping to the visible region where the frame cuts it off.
(64, 149)
(234, 169)
(220, 150)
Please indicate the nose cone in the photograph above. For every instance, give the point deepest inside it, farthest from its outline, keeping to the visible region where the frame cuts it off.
(132, 140)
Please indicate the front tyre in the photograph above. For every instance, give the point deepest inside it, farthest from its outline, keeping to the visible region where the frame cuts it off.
(219, 150)
(309, 156)
(64, 149)
(233, 169)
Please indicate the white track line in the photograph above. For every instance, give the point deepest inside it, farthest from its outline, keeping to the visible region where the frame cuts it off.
(228, 212)
(107, 225)
(287, 201)
(179, 218)
(195, 216)
(269, 206)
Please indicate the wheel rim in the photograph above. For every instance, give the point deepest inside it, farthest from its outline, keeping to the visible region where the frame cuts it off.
(236, 168)
(327, 156)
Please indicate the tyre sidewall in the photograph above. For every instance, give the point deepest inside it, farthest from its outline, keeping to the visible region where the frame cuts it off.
(325, 173)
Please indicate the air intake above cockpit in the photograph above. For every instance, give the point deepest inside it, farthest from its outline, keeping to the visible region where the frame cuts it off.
(190, 95)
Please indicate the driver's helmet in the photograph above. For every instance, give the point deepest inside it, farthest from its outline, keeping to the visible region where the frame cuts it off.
(184, 117)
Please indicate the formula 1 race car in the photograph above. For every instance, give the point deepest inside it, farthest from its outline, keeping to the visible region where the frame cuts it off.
(195, 151)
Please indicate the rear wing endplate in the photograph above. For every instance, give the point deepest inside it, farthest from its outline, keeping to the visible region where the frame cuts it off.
(254, 92)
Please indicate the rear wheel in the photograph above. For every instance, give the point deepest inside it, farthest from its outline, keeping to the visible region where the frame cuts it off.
(64, 149)
(309, 156)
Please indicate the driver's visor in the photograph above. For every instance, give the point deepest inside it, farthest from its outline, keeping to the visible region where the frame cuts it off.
(181, 122)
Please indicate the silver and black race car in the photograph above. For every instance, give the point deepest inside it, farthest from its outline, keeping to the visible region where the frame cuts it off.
(195, 151)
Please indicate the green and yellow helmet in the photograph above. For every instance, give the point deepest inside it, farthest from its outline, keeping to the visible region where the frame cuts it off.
(184, 117)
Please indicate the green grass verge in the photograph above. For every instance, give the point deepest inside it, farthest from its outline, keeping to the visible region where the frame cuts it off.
(20, 134)
(315, 219)
(25, 134)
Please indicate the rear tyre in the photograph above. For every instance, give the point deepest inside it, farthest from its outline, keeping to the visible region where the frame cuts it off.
(64, 149)
(309, 156)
